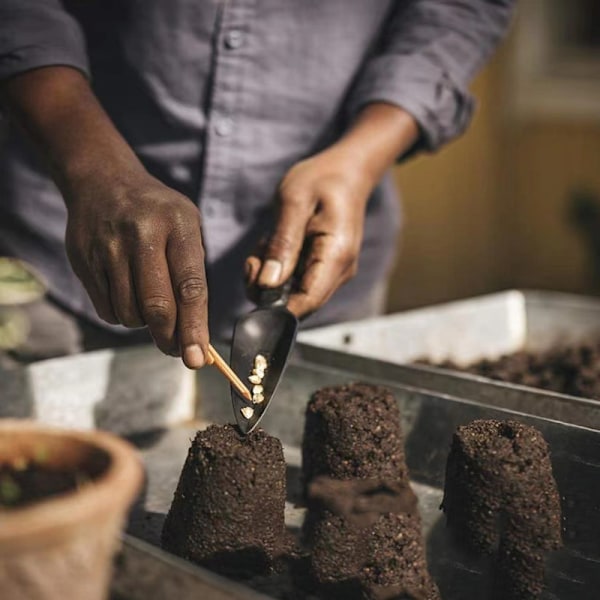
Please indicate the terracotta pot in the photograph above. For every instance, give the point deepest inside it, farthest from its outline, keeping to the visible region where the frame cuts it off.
(61, 548)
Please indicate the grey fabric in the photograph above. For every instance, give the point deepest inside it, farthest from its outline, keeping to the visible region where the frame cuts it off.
(219, 99)
(53, 332)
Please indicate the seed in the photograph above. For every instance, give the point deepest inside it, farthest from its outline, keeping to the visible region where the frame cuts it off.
(258, 389)
(247, 412)
(258, 398)
(255, 379)
(260, 362)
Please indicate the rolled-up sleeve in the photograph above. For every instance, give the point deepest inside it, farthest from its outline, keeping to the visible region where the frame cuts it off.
(427, 54)
(39, 33)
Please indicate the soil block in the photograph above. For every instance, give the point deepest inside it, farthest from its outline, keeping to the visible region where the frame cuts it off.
(353, 431)
(501, 499)
(365, 537)
(228, 510)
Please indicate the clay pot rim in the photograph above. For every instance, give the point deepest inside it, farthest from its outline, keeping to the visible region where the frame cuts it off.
(48, 520)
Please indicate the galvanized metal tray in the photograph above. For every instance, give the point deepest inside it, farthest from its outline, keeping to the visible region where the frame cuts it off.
(144, 572)
(429, 419)
(466, 331)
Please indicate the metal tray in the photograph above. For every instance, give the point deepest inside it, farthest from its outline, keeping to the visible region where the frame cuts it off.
(429, 419)
(143, 572)
(466, 331)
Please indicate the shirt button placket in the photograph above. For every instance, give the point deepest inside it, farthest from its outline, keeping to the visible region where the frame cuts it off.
(222, 150)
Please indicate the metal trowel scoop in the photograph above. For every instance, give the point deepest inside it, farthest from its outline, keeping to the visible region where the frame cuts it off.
(261, 346)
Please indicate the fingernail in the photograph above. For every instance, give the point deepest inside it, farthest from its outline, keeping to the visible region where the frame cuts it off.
(270, 273)
(193, 356)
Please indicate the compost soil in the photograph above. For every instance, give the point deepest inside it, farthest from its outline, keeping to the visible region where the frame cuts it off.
(228, 509)
(573, 370)
(501, 500)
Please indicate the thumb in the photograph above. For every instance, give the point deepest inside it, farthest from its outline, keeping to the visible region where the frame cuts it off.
(284, 246)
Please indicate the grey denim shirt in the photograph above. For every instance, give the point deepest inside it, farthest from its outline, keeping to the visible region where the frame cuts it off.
(220, 98)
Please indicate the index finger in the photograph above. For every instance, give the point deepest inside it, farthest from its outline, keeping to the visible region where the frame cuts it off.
(285, 244)
(185, 255)
(324, 272)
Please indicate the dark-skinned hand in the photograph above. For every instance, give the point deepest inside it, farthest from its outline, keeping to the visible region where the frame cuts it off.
(137, 248)
(321, 207)
(135, 244)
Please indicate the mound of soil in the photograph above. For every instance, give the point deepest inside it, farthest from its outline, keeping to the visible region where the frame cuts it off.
(501, 499)
(573, 370)
(228, 510)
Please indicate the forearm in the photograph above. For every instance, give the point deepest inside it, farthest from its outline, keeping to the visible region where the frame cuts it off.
(380, 134)
(57, 109)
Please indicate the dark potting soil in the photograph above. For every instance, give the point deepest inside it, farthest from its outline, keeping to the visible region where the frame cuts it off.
(362, 525)
(228, 510)
(353, 431)
(573, 370)
(501, 499)
(23, 485)
(365, 540)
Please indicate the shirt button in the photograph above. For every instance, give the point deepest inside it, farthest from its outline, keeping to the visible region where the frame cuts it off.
(180, 173)
(234, 39)
(224, 126)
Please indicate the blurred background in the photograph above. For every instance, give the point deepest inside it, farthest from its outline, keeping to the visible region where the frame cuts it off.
(516, 201)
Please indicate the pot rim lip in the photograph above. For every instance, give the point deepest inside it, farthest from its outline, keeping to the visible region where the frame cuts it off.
(111, 493)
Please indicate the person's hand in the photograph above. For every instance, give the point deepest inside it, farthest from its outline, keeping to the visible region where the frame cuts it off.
(135, 244)
(137, 248)
(321, 206)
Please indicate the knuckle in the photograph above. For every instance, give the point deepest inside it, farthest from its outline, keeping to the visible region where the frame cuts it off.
(345, 255)
(292, 197)
(281, 243)
(184, 215)
(157, 311)
(179, 220)
(137, 232)
(191, 289)
(336, 193)
(110, 253)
